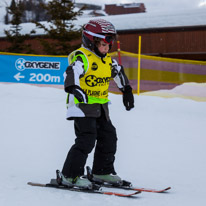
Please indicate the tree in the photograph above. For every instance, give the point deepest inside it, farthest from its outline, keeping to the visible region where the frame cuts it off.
(40, 12)
(13, 5)
(32, 11)
(60, 30)
(14, 35)
(6, 17)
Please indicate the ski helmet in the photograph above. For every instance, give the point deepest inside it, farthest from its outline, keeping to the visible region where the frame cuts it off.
(98, 29)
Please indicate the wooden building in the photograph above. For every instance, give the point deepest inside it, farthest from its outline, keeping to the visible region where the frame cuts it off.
(187, 42)
(114, 9)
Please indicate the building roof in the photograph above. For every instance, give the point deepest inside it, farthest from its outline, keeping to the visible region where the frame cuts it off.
(147, 20)
(132, 5)
(150, 20)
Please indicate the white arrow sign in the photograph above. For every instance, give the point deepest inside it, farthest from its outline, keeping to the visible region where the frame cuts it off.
(18, 76)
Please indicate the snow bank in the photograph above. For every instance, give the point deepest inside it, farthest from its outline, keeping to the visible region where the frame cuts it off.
(194, 91)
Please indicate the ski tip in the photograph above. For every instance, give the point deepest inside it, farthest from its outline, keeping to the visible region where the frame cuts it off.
(152, 190)
(164, 190)
(168, 188)
(36, 184)
(137, 192)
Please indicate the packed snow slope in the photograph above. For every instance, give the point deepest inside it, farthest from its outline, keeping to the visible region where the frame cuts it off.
(161, 142)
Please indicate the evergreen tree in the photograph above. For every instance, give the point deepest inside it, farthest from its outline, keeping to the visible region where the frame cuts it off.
(28, 5)
(61, 30)
(14, 35)
(32, 11)
(13, 5)
(39, 11)
(6, 17)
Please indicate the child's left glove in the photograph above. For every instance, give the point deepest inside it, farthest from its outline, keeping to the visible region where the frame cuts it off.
(128, 98)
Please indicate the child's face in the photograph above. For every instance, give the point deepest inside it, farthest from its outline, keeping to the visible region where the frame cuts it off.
(103, 47)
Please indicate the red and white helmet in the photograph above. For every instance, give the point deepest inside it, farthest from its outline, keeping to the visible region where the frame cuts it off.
(98, 28)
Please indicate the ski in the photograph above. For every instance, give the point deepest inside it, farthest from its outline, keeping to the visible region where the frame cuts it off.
(99, 191)
(151, 190)
(137, 188)
(123, 184)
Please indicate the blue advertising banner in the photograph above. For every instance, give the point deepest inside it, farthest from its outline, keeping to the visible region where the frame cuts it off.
(33, 69)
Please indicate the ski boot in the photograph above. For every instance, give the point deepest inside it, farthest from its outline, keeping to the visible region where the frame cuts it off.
(81, 182)
(103, 179)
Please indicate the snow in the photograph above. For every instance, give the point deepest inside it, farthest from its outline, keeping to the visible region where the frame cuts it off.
(161, 142)
(190, 90)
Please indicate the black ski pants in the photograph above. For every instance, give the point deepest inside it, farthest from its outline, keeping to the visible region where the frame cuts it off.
(90, 131)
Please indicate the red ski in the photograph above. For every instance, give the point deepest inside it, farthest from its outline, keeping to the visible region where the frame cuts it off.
(122, 185)
(84, 190)
(150, 190)
(137, 188)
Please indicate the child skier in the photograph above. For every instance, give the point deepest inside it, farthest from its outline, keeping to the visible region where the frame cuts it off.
(87, 81)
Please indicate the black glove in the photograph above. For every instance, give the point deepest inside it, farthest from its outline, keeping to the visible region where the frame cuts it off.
(79, 94)
(128, 98)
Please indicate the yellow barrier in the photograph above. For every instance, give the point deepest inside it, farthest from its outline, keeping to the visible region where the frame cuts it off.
(156, 73)
(159, 73)
(139, 61)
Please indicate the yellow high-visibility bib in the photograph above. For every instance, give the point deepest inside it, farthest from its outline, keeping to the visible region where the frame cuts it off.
(97, 76)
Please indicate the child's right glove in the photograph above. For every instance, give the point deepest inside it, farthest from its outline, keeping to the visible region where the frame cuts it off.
(79, 94)
(128, 98)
